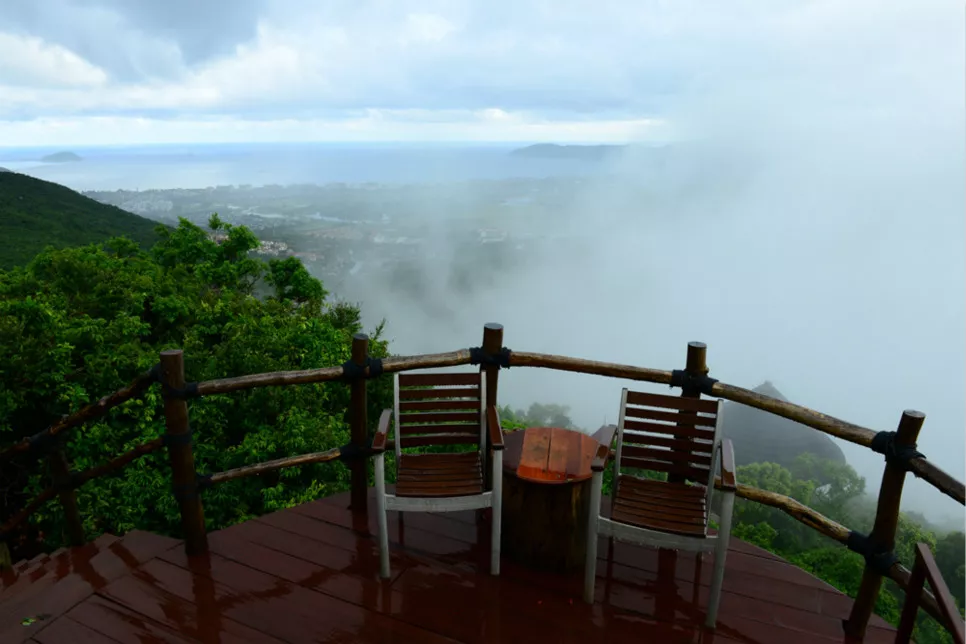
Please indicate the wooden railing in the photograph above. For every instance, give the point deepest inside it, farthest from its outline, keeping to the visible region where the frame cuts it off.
(898, 448)
(925, 568)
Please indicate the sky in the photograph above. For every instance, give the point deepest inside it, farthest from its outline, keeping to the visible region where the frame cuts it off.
(814, 236)
(88, 72)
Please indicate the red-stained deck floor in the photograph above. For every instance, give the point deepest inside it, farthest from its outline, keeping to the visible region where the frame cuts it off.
(309, 574)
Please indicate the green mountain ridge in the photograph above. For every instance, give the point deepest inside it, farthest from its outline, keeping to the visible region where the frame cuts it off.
(36, 213)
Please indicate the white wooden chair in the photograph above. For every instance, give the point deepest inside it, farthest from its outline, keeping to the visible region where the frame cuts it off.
(433, 409)
(679, 436)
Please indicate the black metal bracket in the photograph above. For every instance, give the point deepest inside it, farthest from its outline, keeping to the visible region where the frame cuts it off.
(170, 440)
(371, 369)
(203, 481)
(191, 490)
(877, 558)
(43, 443)
(691, 383)
(156, 372)
(351, 452)
(70, 482)
(500, 360)
(896, 455)
(190, 391)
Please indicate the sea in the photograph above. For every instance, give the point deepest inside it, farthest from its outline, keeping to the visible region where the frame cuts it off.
(201, 166)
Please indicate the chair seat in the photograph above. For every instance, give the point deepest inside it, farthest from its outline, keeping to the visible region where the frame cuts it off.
(439, 475)
(674, 508)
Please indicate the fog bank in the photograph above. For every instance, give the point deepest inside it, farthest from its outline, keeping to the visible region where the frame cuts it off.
(808, 226)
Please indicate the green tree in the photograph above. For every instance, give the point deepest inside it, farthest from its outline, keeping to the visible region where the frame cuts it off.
(836, 490)
(545, 415)
(80, 322)
(951, 560)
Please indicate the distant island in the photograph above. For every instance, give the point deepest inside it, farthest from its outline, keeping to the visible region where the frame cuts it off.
(555, 151)
(61, 157)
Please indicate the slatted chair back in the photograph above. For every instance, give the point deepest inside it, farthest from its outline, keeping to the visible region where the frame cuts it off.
(439, 409)
(668, 434)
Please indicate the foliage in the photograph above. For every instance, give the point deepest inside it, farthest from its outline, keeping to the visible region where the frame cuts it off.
(36, 213)
(836, 490)
(79, 322)
(539, 415)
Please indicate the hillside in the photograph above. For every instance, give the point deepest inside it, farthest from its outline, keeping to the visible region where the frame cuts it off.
(760, 437)
(35, 213)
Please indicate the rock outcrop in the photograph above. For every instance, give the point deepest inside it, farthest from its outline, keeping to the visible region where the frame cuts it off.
(759, 436)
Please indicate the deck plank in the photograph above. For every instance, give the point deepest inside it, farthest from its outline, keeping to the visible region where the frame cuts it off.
(66, 629)
(142, 604)
(310, 573)
(80, 577)
(289, 611)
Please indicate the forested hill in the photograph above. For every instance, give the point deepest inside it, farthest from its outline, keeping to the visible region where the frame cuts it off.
(36, 213)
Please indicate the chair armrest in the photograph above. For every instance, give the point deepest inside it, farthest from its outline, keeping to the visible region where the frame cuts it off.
(382, 431)
(493, 427)
(604, 436)
(728, 481)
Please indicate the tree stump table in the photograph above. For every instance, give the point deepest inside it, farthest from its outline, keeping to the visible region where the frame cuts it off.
(546, 494)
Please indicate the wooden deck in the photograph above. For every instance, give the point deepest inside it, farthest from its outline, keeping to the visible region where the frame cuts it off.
(310, 574)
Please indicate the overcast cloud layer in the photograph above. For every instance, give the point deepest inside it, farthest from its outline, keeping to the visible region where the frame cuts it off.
(126, 71)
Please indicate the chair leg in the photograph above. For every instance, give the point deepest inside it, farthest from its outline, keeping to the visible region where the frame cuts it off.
(496, 506)
(717, 580)
(590, 563)
(697, 577)
(720, 555)
(380, 472)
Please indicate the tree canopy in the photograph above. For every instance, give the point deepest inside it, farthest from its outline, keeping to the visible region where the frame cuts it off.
(77, 323)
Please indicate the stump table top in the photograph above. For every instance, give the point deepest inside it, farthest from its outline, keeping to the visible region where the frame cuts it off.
(549, 455)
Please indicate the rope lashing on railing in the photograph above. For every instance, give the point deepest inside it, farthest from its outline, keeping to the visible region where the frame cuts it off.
(897, 456)
(372, 368)
(878, 558)
(500, 360)
(692, 383)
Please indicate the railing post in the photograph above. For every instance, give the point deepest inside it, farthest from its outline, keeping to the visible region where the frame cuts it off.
(695, 367)
(492, 344)
(883, 535)
(359, 467)
(60, 476)
(178, 440)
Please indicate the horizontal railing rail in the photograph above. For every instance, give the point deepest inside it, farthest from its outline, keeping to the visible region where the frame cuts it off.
(822, 524)
(77, 479)
(898, 447)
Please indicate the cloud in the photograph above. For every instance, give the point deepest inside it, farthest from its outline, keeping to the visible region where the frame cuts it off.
(710, 68)
(138, 39)
(30, 62)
